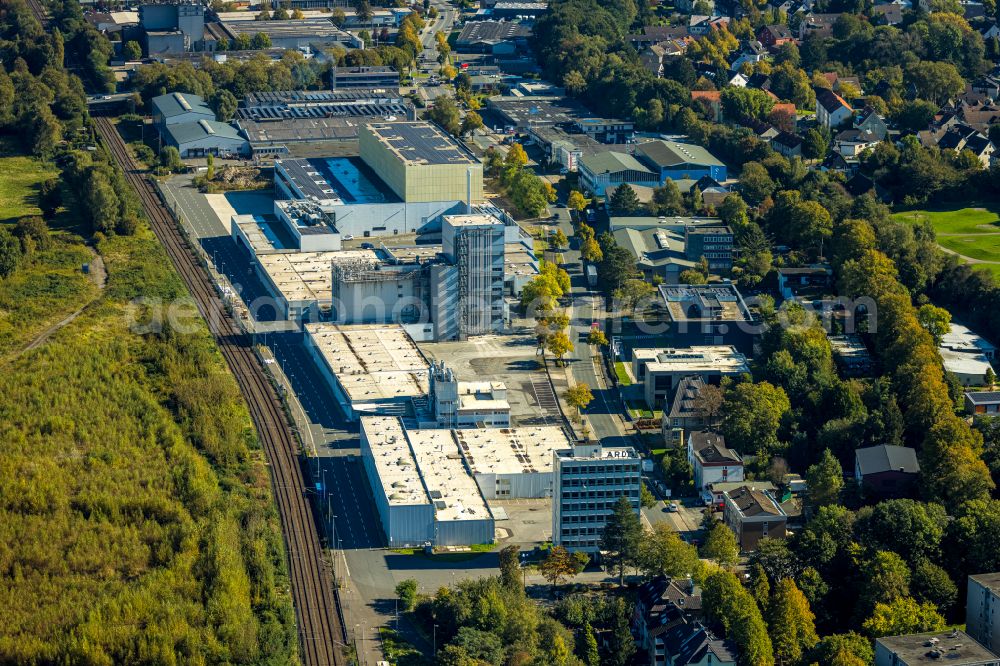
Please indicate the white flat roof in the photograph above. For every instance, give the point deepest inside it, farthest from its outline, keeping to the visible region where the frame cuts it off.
(251, 231)
(965, 362)
(308, 276)
(454, 493)
(717, 358)
(960, 339)
(475, 220)
(477, 396)
(396, 466)
(511, 450)
(372, 362)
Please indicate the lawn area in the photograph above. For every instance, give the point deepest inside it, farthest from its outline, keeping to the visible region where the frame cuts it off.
(970, 232)
(623, 377)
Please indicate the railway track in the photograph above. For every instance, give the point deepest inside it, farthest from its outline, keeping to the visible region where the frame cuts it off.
(39, 11)
(320, 627)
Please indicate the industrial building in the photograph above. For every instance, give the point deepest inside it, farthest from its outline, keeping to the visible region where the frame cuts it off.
(312, 229)
(523, 113)
(588, 480)
(275, 123)
(982, 619)
(493, 37)
(661, 369)
(205, 137)
(676, 160)
(407, 176)
(371, 369)
(171, 28)
(431, 484)
(667, 250)
(467, 404)
(423, 493)
(421, 163)
(316, 34)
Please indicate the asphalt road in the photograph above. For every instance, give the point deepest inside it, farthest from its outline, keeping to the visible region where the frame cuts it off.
(585, 310)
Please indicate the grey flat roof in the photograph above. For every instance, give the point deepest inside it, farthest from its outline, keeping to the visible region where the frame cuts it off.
(537, 110)
(402, 110)
(475, 32)
(319, 29)
(989, 580)
(301, 129)
(311, 97)
(421, 143)
(316, 178)
(955, 647)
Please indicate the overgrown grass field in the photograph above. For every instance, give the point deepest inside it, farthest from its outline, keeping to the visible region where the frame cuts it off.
(50, 284)
(137, 523)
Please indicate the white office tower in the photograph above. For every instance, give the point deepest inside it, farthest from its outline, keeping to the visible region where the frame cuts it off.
(467, 293)
(588, 480)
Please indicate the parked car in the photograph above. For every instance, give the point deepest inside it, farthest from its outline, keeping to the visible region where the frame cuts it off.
(367, 246)
(673, 508)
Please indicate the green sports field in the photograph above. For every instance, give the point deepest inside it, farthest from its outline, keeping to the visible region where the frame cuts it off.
(973, 233)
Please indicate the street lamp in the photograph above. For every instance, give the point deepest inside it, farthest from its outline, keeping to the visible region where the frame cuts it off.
(435, 643)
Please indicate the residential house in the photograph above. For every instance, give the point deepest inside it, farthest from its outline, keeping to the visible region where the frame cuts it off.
(817, 25)
(787, 144)
(652, 34)
(752, 52)
(753, 515)
(962, 137)
(670, 637)
(860, 184)
(700, 25)
(982, 403)
(869, 120)
(675, 160)
(651, 59)
(992, 31)
(738, 81)
(711, 100)
(837, 162)
(831, 109)
(774, 36)
(987, 85)
(711, 460)
(982, 610)
(979, 116)
(686, 412)
(887, 14)
(784, 116)
(600, 171)
(852, 142)
(794, 281)
(952, 647)
(886, 470)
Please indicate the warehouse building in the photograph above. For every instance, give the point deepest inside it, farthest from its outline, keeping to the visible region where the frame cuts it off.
(423, 492)
(372, 369)
(312, 229)
(205, 137)
(421, 163)
(510, 463)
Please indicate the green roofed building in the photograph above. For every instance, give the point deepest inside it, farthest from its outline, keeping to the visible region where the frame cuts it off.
(601, 171)
(205, 137)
